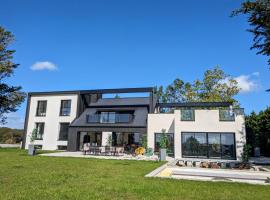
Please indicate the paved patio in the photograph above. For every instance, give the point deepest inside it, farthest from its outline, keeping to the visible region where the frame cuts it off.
(79, 154)
(203, 174)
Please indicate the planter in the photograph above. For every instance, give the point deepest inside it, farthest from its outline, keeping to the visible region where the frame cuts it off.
(31, 150)
(257, 152)
(162, 154)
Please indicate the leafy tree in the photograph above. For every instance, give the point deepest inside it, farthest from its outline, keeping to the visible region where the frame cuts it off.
(258, 12)
(258, 130)
(215, 86)
(10, 136)
(10, 96)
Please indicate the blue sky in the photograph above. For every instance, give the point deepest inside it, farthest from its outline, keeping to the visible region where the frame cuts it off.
(128, 43)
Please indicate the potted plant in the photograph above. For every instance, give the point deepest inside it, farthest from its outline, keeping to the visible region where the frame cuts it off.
(163, 144)
(31, 146)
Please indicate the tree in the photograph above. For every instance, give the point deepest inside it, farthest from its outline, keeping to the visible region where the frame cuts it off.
(259, 19)
(258, 130)
(10, 96)
(215, 86)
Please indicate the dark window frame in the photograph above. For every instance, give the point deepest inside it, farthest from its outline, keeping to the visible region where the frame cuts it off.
(155, 150)
(62, 113)
(43, 128)
(187, 120)
(207, 140)
(38, 111)
(223, 119)
(59, 134)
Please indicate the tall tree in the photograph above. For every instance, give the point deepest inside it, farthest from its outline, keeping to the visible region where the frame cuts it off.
(259, 19)
(215, 86)
(10, 96)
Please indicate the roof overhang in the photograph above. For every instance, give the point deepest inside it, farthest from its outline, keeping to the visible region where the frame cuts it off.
(194, 104)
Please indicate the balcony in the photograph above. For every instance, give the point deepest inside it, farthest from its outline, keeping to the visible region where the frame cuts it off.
(110, 118)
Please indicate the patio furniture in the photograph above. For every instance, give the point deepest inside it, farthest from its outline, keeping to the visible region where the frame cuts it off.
(107, 150)
(86, 148)
(119, 151)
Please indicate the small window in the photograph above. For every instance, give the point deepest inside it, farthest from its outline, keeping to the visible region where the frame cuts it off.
(63, 133)
(65, 108)
(40, 130)
(41, 108)
(226, 115)
(187, 115)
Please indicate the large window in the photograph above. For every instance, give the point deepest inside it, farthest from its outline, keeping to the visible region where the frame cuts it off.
(40, 130)
(208, 145)
(63, 133)
(41, 108)
(65, 108)
(187, 115)
(170, 149)
(107, 117)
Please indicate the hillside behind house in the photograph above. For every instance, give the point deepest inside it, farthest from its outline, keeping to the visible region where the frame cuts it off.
(10, 136)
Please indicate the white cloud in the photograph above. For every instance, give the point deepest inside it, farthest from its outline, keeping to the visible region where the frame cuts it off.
(14, 120)
(248, 83)
(44, 65)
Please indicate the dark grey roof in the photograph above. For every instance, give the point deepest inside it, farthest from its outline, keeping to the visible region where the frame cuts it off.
(132, 101)
(98, 91)
(139, 120)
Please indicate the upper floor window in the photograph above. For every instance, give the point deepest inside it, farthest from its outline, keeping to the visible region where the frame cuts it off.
(63, 133)
(40, 130)
(226, 115)
(41, 108)
(187, 114)
(65, 108)
(110, 117)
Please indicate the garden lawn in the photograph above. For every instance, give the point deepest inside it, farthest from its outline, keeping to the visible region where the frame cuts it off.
(38, 177)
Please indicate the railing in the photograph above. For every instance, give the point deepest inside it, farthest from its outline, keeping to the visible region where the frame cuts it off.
(111, 119)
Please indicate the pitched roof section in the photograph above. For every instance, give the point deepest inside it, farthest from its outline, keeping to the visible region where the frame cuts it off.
(139, 120)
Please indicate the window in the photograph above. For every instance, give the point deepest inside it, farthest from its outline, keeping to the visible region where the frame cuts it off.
(40, 130)
(208, 145)
(65, 108)
(170, 149)
(194, 145)
(226, 115)
(41, 108)
(62, 147)
(63, 133)
(187, 115)
(107, 117)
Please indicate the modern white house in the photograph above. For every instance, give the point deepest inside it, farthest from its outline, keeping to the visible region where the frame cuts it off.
(203, 130)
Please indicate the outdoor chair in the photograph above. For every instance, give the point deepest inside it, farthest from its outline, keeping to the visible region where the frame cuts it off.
(86, 148)
(107, 150)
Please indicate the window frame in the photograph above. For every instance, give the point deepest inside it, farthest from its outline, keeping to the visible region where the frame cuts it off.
(207, 141)
(186, 120)
(37, 109)
(155, 140)
(59, 139)
(36, 126)
(61, 107)
(226, 120)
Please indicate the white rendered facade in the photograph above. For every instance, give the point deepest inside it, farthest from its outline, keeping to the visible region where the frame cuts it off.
(51, 120)
(206, 121)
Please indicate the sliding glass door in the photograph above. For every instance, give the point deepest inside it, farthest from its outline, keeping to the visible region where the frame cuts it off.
(208, 145)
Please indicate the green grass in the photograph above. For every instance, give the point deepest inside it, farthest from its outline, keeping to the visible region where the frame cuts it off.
(26, 177)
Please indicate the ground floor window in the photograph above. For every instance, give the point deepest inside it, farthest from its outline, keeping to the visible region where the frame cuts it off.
(170, 149)
(208, 145)
(63, 132)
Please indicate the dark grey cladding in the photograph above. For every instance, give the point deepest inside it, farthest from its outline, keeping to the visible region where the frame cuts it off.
(139, 120)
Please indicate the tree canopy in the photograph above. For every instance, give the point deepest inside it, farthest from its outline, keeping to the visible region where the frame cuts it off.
(258, 130)
(259, 19)
(10, 96)
(216, 86)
